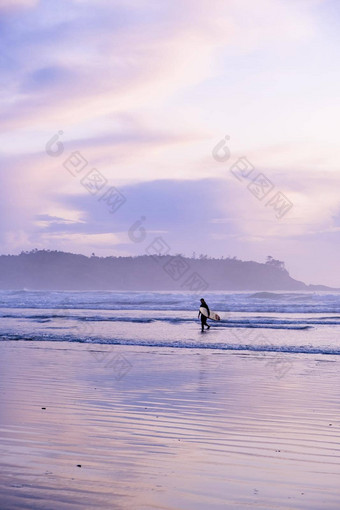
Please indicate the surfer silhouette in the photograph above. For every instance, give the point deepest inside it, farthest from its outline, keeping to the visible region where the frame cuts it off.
(204, 317)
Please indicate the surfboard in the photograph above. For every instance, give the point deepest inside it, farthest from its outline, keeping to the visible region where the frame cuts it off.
(214, 316)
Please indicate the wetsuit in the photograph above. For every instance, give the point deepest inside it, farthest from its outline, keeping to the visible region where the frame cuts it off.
(203, 317)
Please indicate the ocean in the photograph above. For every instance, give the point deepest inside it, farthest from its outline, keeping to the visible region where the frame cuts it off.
(117, 400)
(290, 322)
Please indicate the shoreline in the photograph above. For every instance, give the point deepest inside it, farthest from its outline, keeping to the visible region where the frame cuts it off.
(165, 428)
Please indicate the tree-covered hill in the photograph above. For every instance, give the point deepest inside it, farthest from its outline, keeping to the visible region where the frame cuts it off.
(55, 270)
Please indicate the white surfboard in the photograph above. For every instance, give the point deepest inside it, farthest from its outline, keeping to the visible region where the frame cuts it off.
(214, 316)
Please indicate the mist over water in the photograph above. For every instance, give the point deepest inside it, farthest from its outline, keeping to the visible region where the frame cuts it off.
(288, 302)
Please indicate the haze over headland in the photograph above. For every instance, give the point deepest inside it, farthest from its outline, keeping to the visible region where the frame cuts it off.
(144, 92)
(55, 270)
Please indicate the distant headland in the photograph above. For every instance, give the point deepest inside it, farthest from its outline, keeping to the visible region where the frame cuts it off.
(57, 270)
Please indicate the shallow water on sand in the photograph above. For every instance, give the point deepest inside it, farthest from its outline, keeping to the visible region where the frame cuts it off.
(167, 428)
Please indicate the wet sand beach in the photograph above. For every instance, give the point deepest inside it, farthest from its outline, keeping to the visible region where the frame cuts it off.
(126, 427)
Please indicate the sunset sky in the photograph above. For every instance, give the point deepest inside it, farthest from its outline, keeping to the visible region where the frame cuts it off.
(143, 91)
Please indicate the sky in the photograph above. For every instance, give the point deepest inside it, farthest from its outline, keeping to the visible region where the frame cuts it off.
(132, 127)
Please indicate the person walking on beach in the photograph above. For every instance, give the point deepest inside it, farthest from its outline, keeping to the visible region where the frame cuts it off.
(203, 317)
